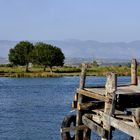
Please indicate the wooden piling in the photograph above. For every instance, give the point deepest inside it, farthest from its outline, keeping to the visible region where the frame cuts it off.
(134, 72)
(137, 115)
(79, 134)
(109, 109)
(137, 111)
(102, 108)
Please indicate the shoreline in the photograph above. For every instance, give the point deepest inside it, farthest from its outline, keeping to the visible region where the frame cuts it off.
(64, 71)
(42, 75)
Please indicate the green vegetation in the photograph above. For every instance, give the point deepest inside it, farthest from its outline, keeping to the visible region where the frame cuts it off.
(21, 54)
(47, 55)
(36, 71)
(42, 54)
(49, 58)
(95, 63)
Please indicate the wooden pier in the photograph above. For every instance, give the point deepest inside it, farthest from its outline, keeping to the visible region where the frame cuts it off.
(103, 108)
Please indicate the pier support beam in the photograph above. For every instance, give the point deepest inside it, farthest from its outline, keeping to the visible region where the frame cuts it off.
(109, 109)
(137, 110)
(134, 72)
(81, 134)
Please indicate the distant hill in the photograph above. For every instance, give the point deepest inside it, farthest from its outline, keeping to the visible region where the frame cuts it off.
(3, 60)
(94, 49)
(87, 49)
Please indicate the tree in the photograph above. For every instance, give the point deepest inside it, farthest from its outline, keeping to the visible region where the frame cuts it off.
(20, 54)
(95, 64)
(47, 55)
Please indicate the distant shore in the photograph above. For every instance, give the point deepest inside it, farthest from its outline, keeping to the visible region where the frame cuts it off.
(7, 71)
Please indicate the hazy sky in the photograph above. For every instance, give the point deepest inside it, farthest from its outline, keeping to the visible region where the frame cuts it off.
(101, 20)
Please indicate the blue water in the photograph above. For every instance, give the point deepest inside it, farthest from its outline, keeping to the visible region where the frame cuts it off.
(33, 108)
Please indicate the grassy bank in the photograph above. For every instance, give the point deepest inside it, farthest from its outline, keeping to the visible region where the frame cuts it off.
(6, 71)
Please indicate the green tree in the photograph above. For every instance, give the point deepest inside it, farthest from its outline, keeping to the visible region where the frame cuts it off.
(95, 64)
(47, 55)
(21, 54)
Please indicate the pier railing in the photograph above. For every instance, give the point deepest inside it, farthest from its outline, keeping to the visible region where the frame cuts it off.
(101, 109)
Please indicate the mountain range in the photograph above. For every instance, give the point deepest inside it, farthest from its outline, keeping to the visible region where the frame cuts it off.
(73, 48)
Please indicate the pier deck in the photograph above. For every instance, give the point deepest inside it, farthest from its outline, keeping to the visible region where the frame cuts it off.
(102, 108)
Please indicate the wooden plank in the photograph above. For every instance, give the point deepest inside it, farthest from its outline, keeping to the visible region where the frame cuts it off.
(93, 126)
(100, 112)
(136, 119)
(74, 104)
(122, 126)
(97, 119)
(92, 95)
(103, 86)
(125, 89)
(76, 97)
(123, 116)
(68, 129)
(135, 122)
(137, 114)
(90, 105)
(100, 91)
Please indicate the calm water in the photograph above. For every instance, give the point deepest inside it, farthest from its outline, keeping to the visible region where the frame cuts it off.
(33, 108)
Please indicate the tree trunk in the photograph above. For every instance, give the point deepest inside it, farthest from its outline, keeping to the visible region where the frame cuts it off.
(27, 65)
(45, 68)
(51, 70)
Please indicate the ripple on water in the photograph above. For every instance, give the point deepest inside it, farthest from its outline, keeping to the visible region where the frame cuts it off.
(33, 108)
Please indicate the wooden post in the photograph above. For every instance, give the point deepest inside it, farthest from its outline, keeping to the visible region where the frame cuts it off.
(79, 134)
(109, 109)
(137, 113)
(134, 72)
(83, 76)
(137, 110)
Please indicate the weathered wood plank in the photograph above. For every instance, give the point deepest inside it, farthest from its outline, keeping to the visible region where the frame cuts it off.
(74, 104)
(68, 129)
(122, 126)
(90, 105)
(92, 95)
(136, 119)
(127, 89)
(137, 114)
(131, 95)
(93, 126)
(123, 116)
(97, 119)
(76, 97)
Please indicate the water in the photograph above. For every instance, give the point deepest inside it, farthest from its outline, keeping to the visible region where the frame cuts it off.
(33, 108)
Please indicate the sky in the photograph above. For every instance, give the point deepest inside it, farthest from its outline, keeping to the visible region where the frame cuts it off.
(100, 20)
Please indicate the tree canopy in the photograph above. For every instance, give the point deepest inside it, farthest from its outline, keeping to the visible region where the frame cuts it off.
(40, 53)
(47, 55)
(20, 54)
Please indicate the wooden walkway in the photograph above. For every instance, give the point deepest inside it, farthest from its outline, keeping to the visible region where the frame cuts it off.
(102, 108)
